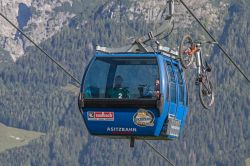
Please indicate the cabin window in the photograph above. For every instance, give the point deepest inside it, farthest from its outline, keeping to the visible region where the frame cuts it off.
(123, 78)
(171, 82)
(181, 85)
(96, 79)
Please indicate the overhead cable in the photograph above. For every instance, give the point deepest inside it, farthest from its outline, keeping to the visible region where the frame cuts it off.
(50, 57)
(159, 153)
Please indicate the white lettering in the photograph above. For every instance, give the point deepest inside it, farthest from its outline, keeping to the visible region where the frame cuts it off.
(121, 129)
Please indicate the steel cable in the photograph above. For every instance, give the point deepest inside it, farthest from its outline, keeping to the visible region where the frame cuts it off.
(159, 153)
(211, 36)
(50, 57)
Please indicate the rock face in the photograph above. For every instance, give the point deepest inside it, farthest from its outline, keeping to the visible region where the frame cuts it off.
(40, 20)
(36, 18)
(157, 10)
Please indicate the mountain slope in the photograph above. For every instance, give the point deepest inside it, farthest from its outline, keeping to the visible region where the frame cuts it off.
(33, 98)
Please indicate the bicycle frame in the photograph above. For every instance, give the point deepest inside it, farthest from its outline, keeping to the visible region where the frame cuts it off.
(199, 62)
(194, 50)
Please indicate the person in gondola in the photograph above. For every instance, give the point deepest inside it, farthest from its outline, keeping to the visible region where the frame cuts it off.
(118, 91)
(157, 89)
(153, 91)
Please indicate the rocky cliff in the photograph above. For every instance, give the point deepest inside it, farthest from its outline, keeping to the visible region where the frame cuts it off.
(157, 10)
(37, 18)
(40, 19)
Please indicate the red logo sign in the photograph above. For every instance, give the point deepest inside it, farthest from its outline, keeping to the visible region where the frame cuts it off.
(101, 116)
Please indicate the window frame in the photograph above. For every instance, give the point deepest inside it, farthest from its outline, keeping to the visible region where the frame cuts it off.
(171, 81)
(111, 76)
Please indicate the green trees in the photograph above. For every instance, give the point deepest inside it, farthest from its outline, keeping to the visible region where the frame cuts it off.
(32, 97)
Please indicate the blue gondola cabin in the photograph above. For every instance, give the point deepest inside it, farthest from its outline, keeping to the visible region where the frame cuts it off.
(130, 93)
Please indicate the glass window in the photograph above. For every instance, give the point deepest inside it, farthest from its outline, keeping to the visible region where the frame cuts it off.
(179, 76)
(172, 83)
(96, 80)
(181, 94)
(180, 84)
(170, 72)
(122, 78)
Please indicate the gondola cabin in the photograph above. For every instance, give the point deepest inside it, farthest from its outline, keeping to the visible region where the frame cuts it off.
(138, 95)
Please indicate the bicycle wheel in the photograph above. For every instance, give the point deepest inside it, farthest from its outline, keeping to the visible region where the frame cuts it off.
(206, 94)
(186, 59)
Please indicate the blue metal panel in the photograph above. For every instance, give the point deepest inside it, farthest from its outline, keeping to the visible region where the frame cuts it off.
(163, 81)
(168, 107)
(123, 122)
(185, 108)
(177, 110)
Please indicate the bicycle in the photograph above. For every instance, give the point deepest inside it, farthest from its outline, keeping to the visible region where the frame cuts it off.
(188, 50)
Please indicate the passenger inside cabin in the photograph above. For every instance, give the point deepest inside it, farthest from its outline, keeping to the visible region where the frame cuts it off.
(151, 91)
(157, 89)
(118, 90)
(118, 82)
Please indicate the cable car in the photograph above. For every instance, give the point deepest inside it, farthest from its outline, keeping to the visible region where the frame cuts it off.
(135, 95)
(136, 91)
